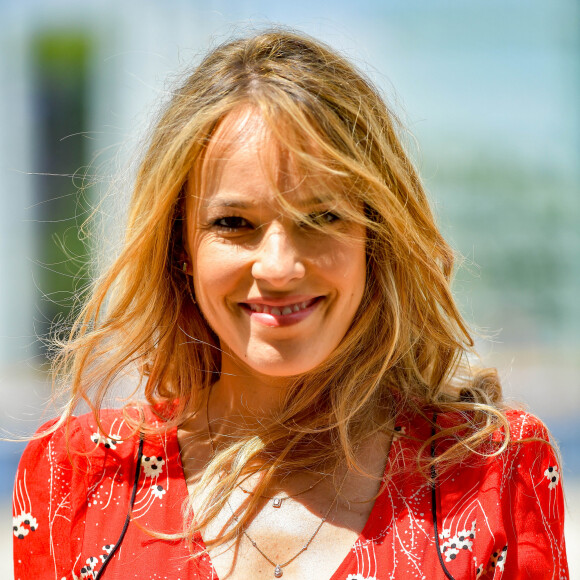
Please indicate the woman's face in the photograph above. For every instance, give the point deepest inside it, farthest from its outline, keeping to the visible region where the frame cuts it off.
(279, 295)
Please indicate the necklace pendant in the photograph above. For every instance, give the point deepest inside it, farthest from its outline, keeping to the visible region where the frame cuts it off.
(278, 571)
(277, 503)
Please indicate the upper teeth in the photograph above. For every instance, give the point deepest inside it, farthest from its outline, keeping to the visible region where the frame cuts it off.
(265, 309)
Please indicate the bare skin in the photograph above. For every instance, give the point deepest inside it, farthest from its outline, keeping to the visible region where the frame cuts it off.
(282, 532)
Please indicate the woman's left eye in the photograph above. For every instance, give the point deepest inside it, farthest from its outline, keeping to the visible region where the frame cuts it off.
(320, 218)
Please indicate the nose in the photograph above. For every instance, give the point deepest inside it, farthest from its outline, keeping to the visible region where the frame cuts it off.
(277, 259)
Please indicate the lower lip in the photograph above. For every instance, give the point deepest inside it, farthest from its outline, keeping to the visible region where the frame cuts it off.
(275, 320)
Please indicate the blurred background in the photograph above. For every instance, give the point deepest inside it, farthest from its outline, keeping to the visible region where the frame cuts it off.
(490, 90)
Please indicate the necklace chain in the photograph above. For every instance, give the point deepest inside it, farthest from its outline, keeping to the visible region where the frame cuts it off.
(278, 566)
(277, 500)
(278, 572)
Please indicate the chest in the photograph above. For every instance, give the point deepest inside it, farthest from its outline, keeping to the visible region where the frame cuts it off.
(393, 538)
(298, 540)
(397, 541)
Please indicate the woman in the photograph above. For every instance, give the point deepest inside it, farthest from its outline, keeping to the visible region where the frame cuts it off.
(283, 294)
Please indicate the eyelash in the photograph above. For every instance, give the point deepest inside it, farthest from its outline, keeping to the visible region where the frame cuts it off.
(235, 223)
(320, 218)
(225, 223)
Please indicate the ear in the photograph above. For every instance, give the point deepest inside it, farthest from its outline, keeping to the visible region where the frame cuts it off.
(185, 264)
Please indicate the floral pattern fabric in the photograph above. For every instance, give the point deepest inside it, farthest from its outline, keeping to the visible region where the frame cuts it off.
(499, 517)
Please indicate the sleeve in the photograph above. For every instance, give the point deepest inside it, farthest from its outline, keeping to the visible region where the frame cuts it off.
(47, 504)
(534, 514)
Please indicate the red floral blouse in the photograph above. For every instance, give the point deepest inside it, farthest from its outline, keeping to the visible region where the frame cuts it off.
(499, 517)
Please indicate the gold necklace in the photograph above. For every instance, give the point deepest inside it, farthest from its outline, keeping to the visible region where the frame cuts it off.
(278, 566)
(277, 501)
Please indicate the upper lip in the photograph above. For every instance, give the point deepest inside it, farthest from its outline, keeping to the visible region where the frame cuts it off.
(280, 301)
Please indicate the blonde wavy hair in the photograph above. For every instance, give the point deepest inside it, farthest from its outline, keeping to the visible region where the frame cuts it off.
(406, 350)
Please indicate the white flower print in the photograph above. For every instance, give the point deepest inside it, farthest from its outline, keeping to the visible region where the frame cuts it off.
(463, 540)
(22, 524)
(498, 558)
(107, 550)
(445, 533)
(553, 476)
(153, 466)
(450, 552)
(399, 430)
(360, 577)
(20, 532)
(88, 570)
(158, 491)
(107, 442)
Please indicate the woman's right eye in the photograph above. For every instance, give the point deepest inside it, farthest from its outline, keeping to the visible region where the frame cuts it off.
(231, 223)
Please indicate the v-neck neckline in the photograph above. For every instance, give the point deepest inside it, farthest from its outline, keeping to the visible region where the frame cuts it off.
(364, 536)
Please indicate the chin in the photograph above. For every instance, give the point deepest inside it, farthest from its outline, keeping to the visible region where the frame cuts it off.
(280, 368)
(284, 365)
(280, 360)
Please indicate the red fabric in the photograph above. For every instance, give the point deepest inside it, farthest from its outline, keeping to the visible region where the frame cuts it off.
(498, 517)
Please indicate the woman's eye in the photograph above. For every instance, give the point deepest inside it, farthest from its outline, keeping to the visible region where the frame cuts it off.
(231, 223)
(320, 218)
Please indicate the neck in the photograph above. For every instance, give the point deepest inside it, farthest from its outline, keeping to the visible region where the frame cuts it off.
(242, 399)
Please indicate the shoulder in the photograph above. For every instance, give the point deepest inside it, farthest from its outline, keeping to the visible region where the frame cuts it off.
(67, 458)
(511, 497)
(529, 446)
(518, 444)
(524, 426)
(532, 455)
(90, 441)
(516, 465)
(519, 426)
(77, 434)
(64, 470)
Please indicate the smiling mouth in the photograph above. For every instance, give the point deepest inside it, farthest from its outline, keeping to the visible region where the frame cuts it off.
(281, 315)
(281, 310)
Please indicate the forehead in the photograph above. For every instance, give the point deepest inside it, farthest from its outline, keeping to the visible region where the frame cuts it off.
(244, 159)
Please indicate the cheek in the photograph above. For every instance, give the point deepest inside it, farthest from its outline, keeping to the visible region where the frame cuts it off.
(218, 268)
(348, 267)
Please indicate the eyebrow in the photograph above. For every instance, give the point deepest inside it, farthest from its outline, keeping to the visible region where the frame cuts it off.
(240, 204)
(235, 203)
